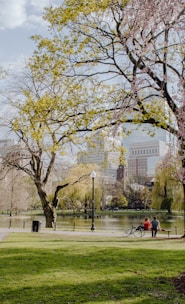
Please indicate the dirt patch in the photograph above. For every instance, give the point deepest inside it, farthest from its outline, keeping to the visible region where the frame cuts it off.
(179, 283)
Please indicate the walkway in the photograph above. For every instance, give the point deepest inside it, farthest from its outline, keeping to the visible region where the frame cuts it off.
(5, 231)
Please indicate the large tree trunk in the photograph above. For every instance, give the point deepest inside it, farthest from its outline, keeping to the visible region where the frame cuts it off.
(50, 216)
(48, 208)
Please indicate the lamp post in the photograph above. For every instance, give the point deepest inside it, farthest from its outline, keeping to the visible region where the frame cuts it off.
(93, 175)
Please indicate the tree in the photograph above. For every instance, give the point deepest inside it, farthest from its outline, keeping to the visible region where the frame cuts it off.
(75, 196)
(118, 197)
(14, 191)
(134, 195)
(126, 59)
(49, 116)
(166, 204)
(167, 192)
(146, 197)
(3, 73)
(133, 50)
(119, 201)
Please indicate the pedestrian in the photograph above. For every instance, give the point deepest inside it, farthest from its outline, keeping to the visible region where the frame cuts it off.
(155, 225)
(146, 224)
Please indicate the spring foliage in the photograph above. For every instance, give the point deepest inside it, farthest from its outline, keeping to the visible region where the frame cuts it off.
(129, 54)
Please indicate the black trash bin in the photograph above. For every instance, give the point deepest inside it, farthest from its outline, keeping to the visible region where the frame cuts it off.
(35, 226)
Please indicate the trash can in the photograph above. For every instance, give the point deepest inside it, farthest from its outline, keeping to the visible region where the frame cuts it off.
(35, 226)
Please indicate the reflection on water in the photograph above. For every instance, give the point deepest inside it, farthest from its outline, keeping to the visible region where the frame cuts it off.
(113, 222)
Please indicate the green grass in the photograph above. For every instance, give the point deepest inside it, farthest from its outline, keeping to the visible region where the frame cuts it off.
(59, 269)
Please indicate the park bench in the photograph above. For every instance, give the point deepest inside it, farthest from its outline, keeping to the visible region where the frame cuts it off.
(165, 230)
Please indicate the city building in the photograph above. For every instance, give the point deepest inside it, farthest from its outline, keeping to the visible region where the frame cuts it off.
(103, 151)
(146, 133)
(143, 158)
(120, 173)
(145, 148)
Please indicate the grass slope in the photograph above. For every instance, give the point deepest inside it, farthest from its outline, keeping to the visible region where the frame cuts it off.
(48, 268)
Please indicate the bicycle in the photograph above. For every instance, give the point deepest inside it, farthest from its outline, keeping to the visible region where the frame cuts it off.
(135, 231)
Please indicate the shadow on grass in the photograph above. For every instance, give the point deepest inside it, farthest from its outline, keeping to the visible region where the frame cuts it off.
(135, 290)
(88, 275)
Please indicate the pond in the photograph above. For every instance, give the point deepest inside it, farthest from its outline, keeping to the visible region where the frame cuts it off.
(115, 221)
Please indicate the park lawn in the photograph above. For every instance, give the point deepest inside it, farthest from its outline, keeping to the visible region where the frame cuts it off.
(60, 269)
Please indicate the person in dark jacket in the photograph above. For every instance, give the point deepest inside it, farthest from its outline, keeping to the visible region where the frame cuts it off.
(155, 226)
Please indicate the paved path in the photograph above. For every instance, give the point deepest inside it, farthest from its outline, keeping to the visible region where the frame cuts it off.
(5, 231)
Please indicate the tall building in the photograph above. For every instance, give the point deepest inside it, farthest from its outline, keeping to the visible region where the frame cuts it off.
(144, 151)
(103, 151)
(143, 158)
(145, 133)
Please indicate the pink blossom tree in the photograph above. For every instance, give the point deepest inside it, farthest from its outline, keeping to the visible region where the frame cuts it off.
(128, 55)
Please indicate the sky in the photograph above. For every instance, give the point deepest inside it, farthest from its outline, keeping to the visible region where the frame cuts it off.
(19, 20)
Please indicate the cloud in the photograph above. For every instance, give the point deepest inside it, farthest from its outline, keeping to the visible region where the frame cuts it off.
(12, 13)
(16, 13)
(39, 5)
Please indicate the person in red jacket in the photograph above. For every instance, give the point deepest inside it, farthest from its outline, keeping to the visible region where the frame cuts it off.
(146, 224)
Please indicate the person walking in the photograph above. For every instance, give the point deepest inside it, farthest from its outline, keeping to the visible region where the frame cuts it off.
(155, 226)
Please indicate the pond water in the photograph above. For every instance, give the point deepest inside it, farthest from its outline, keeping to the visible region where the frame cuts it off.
(108, 222)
